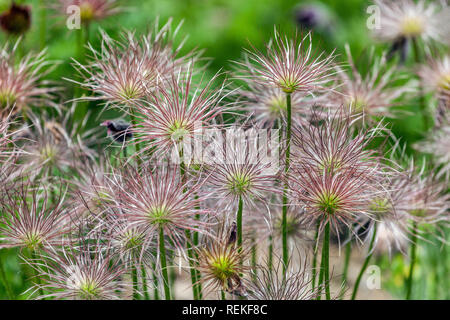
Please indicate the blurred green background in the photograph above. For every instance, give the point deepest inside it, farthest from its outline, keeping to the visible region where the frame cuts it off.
(223, 28)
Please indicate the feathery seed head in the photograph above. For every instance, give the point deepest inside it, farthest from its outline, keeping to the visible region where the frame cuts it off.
(330, 143)
(151, 199)
(273, 283)
(20, 84)
(124, 72)
(237, 173)
(90, 10)
(374, 94)
(220, 261)
(177, 110)
(435, 74)
(410, 19)
(81, 271)
(30, 221)
(291, 65)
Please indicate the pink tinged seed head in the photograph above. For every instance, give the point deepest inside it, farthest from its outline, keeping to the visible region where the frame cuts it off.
(411, 20)
(124, 72)
(151, 199)
(21, 85)
(90, 10)
(177, 111)
(30, 221)
(291, 65)
(81, 271)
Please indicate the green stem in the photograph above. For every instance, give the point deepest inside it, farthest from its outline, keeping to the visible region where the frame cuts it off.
(326, 260)
(134, 123)
(348, 252)
(198, 275)
(162, 256)
(144, 283)
(254, 258)
(319, 283)
(423, 108)
(223, 295)
(286, 170)
(155, 283)
(82, 106)
(270, 258)
(172, 279)
(192, 269)
(135, 283)
(366, 262)
(36, 274)
(9, 292)
(239, 224)
(42, 23)
(316, 249)
(191, 265)
(409, 283)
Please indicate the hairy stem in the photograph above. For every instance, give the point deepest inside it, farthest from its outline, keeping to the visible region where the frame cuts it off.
(348, 252)
(316, 249)
(9, 292)
(239, 223)
(134, 123)
(423, 109)
(254, 258)
(155, 283)
(191, 265)
(162, 257)
(42, 24)
(192, 269)
(198, 275)
(270, 255)
(285, 190)
(81, 41)
(36, 273)
(366, 262)
(134, 278)
(409, 283)
(326, 260)
(319, 283)
(144, 283)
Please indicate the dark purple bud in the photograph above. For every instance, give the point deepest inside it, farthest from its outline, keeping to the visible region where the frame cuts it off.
(119, 130)
(233, 234)
(307, 17)
(16, 20)
(314, 16)
(402, 46)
